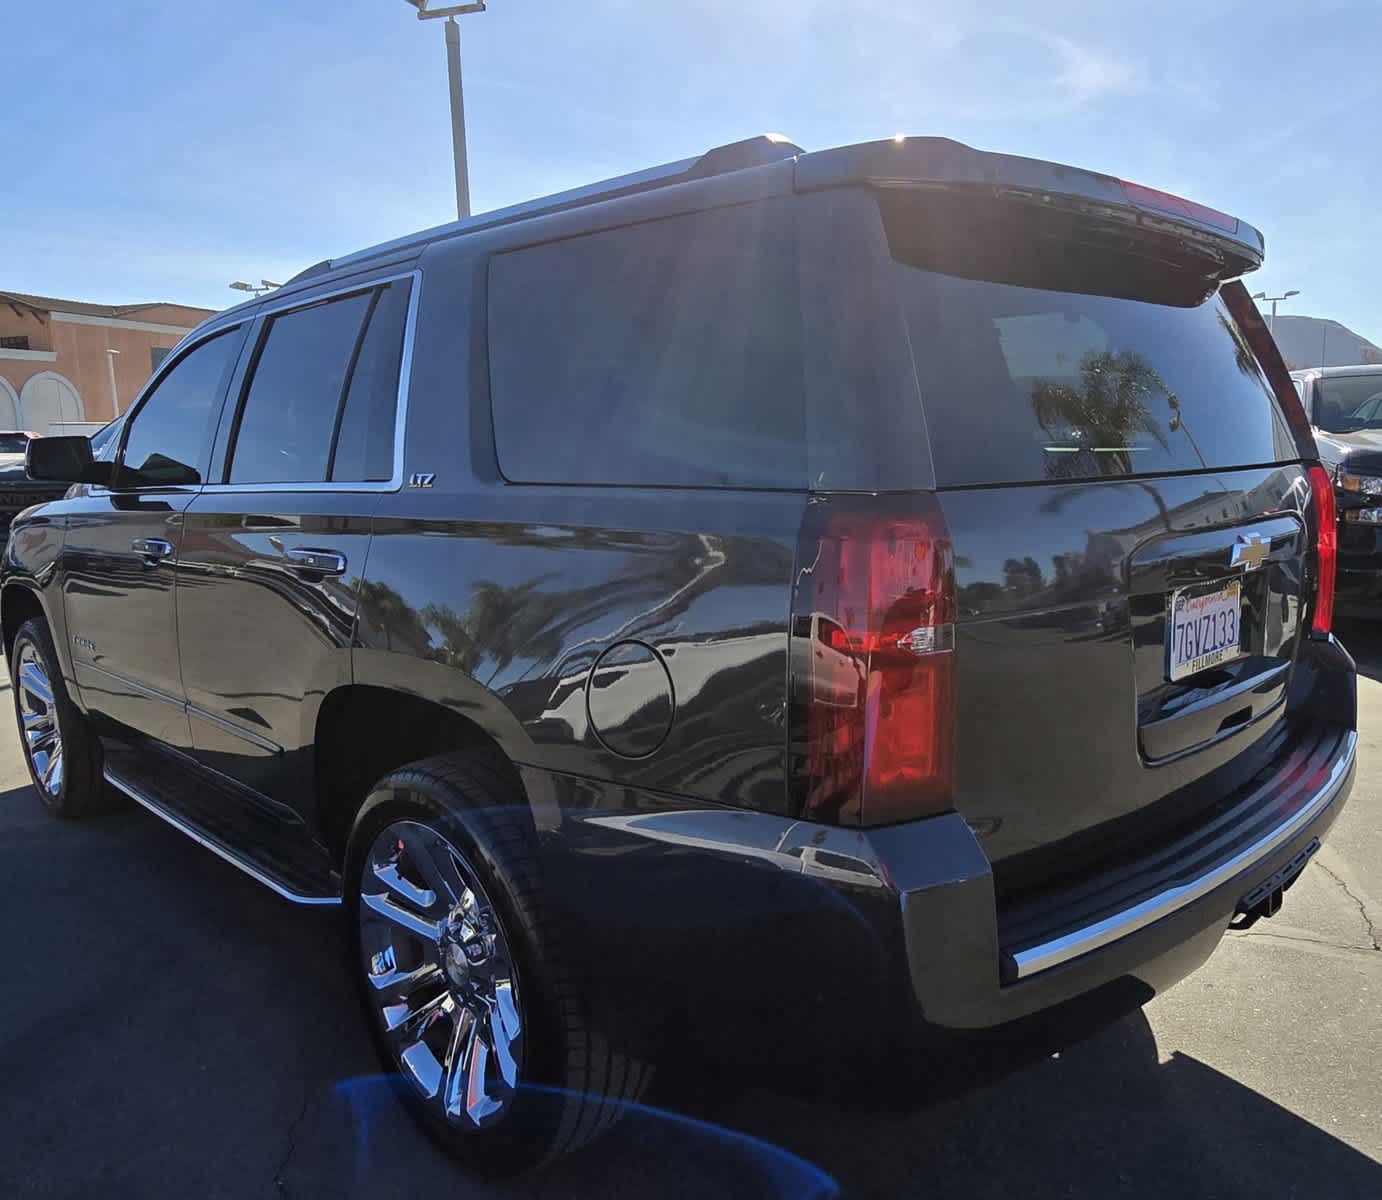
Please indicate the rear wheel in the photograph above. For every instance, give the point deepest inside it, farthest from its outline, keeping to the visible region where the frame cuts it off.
(63, 754)
(461, 973)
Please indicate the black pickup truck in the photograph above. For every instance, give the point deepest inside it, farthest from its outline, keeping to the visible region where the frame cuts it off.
(806, 605)
(17, 490)
(1344, 405)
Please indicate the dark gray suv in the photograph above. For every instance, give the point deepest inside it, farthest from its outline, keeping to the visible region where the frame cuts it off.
(800, 604)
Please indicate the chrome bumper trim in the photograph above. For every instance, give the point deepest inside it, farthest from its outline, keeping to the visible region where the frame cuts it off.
(1059, 950)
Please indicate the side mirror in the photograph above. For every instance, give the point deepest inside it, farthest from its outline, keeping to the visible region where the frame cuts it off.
(64, 460)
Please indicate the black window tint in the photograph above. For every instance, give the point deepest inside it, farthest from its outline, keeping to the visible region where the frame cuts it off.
(661, 353)
(1348, 403)
(1023, 382)
(290, 409)
(365, 445)
(168, 436)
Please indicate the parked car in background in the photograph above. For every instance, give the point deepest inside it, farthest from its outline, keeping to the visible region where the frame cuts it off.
(17, 490)
(778, 605)
(15, 441)
(1345, 407)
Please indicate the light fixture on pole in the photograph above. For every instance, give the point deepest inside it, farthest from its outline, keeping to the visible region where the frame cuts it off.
(264, 285)
(453, 73)
(1272, 300)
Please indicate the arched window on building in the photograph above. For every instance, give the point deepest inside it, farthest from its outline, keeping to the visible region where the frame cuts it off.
(49, 399)
(9, 405)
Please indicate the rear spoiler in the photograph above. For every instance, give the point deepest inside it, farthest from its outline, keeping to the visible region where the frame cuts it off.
(930, 162)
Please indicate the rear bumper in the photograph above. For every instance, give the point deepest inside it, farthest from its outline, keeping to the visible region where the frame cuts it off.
(1152, 926)
(1287, 820)
(790, 932)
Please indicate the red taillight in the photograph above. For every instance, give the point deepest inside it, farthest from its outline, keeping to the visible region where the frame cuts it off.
(1145, 197)
(873, 662)
(1326, 547)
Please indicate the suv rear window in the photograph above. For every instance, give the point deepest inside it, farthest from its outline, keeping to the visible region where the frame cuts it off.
(667, 352)
(1045, 360)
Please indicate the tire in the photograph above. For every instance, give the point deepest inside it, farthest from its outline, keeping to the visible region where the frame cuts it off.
(569, 1082)
(62, 752)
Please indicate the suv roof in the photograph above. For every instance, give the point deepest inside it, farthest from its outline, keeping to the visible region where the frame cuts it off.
(1337, 372)
(735, 156)
(1232, 246)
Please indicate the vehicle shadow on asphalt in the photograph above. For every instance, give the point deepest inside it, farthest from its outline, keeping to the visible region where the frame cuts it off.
(169, 1028)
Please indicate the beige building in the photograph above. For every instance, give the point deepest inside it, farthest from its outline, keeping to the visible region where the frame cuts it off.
(70, 366)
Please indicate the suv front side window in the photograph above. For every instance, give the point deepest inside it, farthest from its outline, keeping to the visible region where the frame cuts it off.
(167, 440)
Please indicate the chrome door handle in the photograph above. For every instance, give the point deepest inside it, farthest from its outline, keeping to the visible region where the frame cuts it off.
(318, 562)
(153, 550)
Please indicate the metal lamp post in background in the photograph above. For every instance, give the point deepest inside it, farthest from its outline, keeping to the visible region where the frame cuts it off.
(453, 72)
(1271, 324)
(114, 393)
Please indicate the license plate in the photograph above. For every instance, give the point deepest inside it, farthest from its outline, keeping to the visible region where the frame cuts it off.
(1205, 629)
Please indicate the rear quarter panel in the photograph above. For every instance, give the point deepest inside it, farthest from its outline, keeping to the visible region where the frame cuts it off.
(497, 599)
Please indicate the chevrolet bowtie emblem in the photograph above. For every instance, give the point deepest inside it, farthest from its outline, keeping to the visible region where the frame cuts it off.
(1249, 551)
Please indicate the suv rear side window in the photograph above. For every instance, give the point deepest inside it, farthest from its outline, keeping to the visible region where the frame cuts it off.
(1023, 382)
(365, 443)
(322, 398)
(290, 409)
(662, 353)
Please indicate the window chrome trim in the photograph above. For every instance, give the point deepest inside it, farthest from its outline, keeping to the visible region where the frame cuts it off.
(395, 482)
(193, 339)
(1171, 900)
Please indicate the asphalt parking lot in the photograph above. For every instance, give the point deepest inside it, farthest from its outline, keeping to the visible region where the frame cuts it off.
(167, 1027)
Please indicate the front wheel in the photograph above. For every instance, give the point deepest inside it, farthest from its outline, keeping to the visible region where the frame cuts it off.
(63, 754)
(461, 971)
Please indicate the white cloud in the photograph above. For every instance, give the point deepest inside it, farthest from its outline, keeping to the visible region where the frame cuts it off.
(1090, 73)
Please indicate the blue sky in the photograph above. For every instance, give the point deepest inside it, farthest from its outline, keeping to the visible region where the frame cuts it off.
(156, 149)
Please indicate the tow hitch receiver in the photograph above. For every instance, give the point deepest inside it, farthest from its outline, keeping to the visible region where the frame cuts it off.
(1265, 899)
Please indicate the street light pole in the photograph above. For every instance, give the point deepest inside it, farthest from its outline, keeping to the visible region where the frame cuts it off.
(453, 76)
(114, 392)
(1271, 321)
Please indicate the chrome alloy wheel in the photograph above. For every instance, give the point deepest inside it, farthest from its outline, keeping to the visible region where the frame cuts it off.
(442, 975)
(38, 716)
